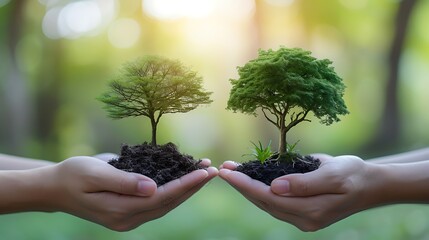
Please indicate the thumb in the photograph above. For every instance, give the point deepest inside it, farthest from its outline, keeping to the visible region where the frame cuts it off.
(122, 182)
(319, 181)
(303, 185)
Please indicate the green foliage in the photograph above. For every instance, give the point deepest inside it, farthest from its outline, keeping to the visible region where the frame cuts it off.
(153, 86)
(261, 153)
(286, 85)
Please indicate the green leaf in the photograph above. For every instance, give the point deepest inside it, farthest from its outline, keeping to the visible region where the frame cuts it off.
(260, 153)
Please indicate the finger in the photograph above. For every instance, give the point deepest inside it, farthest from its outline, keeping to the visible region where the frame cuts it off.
(306, 213)
(272, 207)
(164, 194)
(144, 216)
(231, 165)
(175, 188)
(321, 156)
(325, 180)
(112, 179)
(211, 171)
(246, 185)
(257, 192)
(261, 196)
(205, 162)
(291, 209)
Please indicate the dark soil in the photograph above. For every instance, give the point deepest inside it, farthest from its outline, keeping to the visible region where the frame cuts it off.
(271, 169)
(162, 163)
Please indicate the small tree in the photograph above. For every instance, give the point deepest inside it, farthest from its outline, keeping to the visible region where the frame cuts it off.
(286, 85)
(153, 86)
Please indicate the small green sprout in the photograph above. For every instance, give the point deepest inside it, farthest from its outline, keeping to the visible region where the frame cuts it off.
(290, 152)
(291, 147)
(261, 153)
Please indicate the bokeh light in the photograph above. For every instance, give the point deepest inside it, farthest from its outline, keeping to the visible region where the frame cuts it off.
(194, 9)
(124, 33)
(280, 3)
(172, 9)
(76, 19)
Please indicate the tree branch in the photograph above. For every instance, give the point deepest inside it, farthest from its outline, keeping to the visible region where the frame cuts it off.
(300, 117)
(270, 120)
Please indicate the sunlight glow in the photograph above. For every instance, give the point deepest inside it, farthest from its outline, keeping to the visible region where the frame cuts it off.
(280, 3)
(124, 33)
(173, 9)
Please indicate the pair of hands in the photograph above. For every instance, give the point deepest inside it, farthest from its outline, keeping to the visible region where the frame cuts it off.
(89, 188)
(122, 201)
(314, 200)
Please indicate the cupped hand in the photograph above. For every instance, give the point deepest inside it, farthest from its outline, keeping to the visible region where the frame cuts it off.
(311, 201)
(90, 188)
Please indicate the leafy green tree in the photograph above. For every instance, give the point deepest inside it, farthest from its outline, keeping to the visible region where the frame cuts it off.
(153, 86)
(287, 85)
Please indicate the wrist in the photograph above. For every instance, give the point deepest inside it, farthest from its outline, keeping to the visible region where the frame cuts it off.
(45, 189)
(378, 185)
(399, 183)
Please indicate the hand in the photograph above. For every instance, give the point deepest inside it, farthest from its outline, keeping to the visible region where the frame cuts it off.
(314, 200)
(94, 190)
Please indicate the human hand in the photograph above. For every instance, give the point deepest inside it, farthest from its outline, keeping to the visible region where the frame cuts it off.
(311, 201)
(90, 188)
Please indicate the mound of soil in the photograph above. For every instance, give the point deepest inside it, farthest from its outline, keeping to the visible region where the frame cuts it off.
(271, 169)
(162, 163)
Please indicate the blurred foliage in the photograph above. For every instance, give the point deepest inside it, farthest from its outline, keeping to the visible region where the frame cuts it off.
(58, 55)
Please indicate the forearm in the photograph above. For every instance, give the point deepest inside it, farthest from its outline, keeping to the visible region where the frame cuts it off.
(25, 190)
(399, 183)
(9, 162)
(407, 157)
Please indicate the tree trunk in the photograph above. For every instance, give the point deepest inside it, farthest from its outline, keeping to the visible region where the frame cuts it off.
(48, 96)
(282, 142)
(16, 114)
(283, 131)
(390, 125)
(154, 125)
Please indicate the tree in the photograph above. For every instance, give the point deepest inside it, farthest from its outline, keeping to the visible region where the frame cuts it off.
(390, 124)
(153, 86)
(286, 85)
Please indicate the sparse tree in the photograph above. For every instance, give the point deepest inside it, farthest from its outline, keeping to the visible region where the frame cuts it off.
(153, 86)
(287, 85)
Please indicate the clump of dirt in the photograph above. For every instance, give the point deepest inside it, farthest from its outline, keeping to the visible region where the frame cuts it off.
(162, 163)
(271, 169)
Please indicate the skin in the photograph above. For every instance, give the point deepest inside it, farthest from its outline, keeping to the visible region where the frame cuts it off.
(89, 188)
(8, 162)
(342, 186)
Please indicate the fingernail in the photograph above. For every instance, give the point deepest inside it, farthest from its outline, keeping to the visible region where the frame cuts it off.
(280, 186)
(146, 187)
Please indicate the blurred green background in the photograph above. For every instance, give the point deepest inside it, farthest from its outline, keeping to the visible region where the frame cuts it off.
(56, 57)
